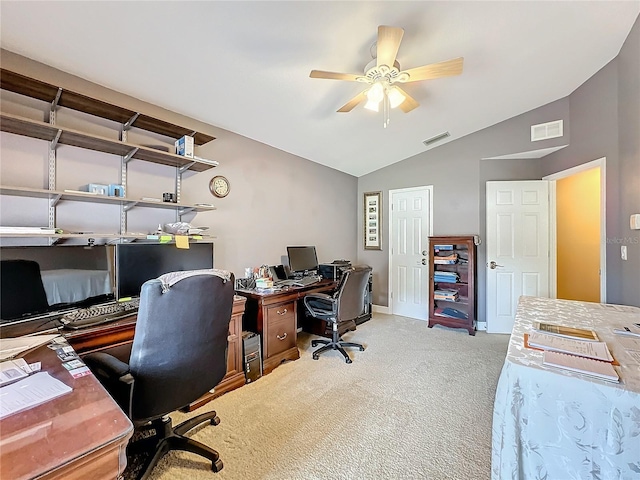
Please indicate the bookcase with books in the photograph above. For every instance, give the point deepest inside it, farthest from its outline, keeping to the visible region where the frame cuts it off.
(452, 282)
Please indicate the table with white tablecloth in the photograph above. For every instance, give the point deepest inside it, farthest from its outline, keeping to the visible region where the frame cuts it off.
(553, 424)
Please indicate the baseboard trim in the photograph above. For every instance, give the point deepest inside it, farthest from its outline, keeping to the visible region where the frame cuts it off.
(380, 309)
(481, 326)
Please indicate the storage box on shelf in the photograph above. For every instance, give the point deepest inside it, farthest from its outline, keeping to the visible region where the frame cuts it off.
(61, 135)
(452, 282)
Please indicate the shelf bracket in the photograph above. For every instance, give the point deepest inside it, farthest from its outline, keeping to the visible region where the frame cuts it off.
(129, 205)
(54, 200)
(53, 106)
(54, 142)
(186, 167)
(185, 210)
(130, 122)
(130, 155)
(193, 134)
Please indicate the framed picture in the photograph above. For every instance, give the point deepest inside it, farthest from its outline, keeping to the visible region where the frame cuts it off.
(373, 221)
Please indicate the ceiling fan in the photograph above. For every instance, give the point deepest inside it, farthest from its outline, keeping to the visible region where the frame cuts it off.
(383, 74)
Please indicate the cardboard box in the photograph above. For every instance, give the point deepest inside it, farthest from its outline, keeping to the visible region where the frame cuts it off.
(98, 188)
(184, 146)
(116, 190)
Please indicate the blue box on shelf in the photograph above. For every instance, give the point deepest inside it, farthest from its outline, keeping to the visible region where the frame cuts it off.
(116, 190)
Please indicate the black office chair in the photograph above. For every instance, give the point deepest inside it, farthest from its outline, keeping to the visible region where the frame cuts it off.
(179, 353)
(21, 289)
(340, 309)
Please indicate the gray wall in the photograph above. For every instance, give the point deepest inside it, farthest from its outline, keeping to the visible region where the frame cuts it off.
(277, 199)
(601, 119)
(458, 176)
(605, 122)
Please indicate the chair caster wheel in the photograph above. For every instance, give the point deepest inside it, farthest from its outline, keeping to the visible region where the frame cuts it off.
(347, 360)
(314, 343)
(217, 465)
(215, 420)
(315, 357)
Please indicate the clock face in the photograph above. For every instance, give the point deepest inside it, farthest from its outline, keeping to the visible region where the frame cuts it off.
(219, 186)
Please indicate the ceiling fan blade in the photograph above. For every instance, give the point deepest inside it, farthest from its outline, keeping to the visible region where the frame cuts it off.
(447, 68)
(347, 107)
(334, 76)
(389, 39)
(409, 103)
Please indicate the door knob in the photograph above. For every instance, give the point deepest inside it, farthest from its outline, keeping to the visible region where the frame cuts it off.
(424, 261)
(493, 265)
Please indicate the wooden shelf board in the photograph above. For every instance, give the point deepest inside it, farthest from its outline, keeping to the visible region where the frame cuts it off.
(44, 131)
(88, 197)
(31, 87)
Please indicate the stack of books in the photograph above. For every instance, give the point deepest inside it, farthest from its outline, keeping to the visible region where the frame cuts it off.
(446, 294)
(263, 284)
(451, 313)
(446, 258)
(446, 277)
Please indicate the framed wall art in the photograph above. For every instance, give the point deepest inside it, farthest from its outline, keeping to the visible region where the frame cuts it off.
(373, 221)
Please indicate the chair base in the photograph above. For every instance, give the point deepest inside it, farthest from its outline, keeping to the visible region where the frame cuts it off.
(172, 438)
(335, 344)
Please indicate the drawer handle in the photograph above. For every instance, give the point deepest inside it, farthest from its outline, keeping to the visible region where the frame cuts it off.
(282, 313)
(282, 337)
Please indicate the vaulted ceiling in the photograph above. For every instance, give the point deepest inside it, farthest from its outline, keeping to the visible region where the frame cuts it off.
(244, 66)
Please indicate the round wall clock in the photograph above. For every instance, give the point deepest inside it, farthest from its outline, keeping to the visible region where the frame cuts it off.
(219, 186)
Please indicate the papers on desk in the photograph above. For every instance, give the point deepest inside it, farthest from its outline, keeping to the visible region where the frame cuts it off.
(13, 370)
(29, 392)
(563, 331)
(587, 366)
(581, 348)
(10, 347)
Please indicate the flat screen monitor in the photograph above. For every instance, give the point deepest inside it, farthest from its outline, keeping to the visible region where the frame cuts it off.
(45, 280)
(138, 262)
(302, 259)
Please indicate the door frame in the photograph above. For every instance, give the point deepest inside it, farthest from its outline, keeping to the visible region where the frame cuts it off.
(429, 188)
(553, 273)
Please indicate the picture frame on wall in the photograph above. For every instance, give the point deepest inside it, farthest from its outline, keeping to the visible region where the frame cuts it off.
(372, 221)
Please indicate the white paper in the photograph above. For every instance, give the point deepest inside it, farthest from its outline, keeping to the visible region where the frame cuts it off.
(597, 350)
(10, 347)
(34, 390)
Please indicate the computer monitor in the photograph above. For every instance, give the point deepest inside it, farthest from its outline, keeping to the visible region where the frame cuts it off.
(138, 262)
(302, 259)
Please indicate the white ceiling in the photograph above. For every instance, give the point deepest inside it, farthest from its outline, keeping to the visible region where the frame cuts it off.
(244, 66)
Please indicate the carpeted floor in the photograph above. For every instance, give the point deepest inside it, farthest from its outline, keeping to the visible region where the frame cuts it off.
(416, 404)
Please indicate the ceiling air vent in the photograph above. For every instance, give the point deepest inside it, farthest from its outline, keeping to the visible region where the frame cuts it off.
(437, 138)
(545, 131)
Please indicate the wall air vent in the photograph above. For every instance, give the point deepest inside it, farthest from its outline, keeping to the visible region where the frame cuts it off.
(544, 131)
(437, 138)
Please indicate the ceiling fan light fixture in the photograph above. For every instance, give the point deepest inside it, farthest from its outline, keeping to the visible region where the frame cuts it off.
(395, 97)
(375, 93)
(373, 106)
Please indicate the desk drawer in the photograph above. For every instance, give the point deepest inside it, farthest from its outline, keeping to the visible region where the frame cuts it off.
(280, 331)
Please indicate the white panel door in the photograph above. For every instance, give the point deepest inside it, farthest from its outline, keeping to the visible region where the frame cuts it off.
(517, 248)
(410, 229)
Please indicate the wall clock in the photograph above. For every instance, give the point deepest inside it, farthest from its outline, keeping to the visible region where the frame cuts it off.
(219, 186)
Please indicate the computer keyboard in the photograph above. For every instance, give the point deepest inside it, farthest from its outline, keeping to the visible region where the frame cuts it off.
(297, 282)
(98, 314)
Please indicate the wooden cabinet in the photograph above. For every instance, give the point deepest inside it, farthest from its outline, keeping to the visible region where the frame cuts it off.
(452, 282)
(275, 317)
(56, 135)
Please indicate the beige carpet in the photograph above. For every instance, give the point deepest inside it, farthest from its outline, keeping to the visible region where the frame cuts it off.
(416, 404)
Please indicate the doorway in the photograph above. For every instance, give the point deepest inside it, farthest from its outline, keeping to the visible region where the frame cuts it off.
(578, 233)
(410, 225)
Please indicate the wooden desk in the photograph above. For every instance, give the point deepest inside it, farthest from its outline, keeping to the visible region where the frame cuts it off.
(275, 317)
(80, 435)
(117, 337)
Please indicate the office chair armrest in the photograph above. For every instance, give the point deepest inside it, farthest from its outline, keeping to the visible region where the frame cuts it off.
(108, 367)
(321, 297)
